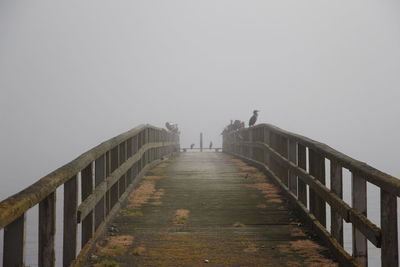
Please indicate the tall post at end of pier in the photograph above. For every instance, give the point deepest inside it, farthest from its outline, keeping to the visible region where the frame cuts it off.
(201, 142)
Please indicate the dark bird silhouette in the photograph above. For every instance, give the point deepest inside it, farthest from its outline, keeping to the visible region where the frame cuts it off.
(211, 144)
(253, 118)
(191, 146)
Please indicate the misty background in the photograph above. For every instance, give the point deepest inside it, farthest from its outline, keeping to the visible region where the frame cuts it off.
(75, 73)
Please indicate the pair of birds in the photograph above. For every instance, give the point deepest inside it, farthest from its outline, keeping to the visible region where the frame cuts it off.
(210, 146)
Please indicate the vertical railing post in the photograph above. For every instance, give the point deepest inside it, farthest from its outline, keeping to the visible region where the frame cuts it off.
(282, 148)
(267, 140)
(87, 189)
(114, 190)
(317, 169)
(14, 243)
(359, 202)
(390, 251)
(100, 174)
(251, 139)
(302, 163)
(70, 220)
(47, 230)
(337, 188)
(107, 197)
(292, 155)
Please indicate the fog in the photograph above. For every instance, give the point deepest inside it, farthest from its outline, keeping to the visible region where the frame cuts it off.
(75, 73)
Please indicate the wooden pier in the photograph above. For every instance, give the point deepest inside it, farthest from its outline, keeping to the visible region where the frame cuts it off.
(209, 208)
(137, 201)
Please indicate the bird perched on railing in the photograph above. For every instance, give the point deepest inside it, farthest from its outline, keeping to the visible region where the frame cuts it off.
(172, 127)
(191, 146)
(238, 125)
(253, 118)
(211, 145)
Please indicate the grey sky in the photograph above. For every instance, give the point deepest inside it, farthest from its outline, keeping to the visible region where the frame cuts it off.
(74, 73)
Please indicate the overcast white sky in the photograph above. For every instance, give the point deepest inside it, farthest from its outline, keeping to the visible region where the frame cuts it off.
(74, 73)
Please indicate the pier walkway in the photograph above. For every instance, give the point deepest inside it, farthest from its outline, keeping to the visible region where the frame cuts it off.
(206, 208)
(136, 200)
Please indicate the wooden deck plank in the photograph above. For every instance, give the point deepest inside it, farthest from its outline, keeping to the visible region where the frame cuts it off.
(207, 206)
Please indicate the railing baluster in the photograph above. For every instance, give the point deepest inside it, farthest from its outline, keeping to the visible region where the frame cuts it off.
(14, 243)
(107, 200)
(337, 188)
(70, 220)
(47, 230)
(267, 139)
(87, 189)
(100, 173)
(390, 247)
(302, 163)
(92, 212)
(317, 169)
(251, 139)
(359, 202)
(292, 156)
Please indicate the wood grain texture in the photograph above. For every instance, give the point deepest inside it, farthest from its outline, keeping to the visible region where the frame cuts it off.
(47, 230)
(302, 163)
(337, 188)
(12, 207)
(390, 246)
(292, 156)
(87, 183)
(383, 180)
(317, 170)
(70, 221)
(359, 203)
(14, 243)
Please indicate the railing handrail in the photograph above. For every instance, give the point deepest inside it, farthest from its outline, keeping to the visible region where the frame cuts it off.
(14, 206)
(386, 181)
(283, 156)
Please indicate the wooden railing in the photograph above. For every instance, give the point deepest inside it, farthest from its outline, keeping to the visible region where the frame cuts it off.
(297, 163)
(106, 174)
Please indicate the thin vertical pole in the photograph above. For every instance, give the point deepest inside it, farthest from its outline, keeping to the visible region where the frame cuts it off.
(201, 142)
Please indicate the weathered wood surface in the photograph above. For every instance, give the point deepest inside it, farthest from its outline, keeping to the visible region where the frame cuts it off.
(87, 189)
(310, 170)
(81, 258)
(14, 243)
(337, 188)
(390, 247)
(364, 225)
(359, 203)
(207, 206)
(302, 163)
(383, 180)
(47, 230)
(16, 205)
(342, 256)
(70, 225)
(103, 185)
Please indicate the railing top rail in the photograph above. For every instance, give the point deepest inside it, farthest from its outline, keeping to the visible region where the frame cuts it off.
(383, 180)
(15, 205)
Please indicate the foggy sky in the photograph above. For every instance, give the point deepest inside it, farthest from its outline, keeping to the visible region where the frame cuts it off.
(75, 73)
